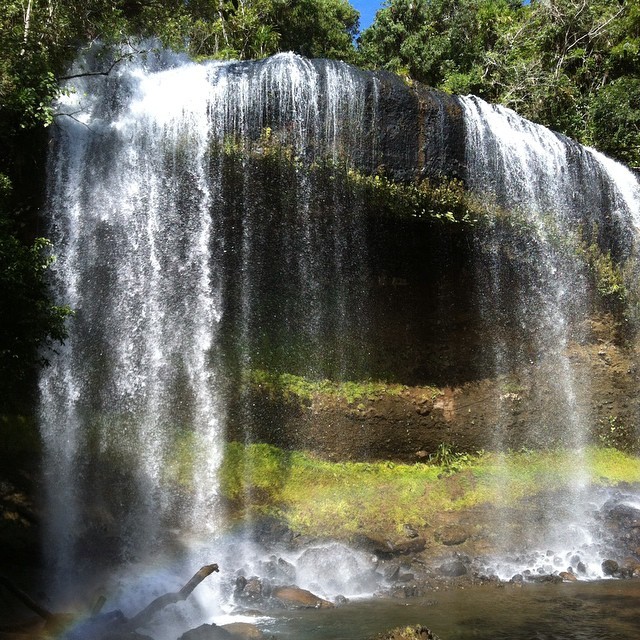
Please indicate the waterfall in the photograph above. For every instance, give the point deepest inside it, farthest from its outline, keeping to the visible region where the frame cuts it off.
(175, 222)
(557, 194)
(208, 227)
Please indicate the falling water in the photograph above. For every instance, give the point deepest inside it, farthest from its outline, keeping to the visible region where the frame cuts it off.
(206, 228)
(180, 207)
(556, 192)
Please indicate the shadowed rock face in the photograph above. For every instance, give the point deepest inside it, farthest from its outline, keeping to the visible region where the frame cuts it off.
(410, 130)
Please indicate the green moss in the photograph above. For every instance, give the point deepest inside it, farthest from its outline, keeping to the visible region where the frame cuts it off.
(339, 499)
(444, 200)
(301, 388)
(607, 275)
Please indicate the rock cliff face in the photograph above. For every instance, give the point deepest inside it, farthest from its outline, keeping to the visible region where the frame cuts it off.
(323, 258)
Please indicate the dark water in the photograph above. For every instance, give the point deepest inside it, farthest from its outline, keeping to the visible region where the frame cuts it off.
(607, 610)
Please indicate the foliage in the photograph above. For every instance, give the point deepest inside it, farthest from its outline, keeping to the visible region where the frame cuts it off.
(252, 28)
(437, 42)
(568, 64)
(614, 124)
(441, 200)
(28, 319)
(451, 460)
(608, 276)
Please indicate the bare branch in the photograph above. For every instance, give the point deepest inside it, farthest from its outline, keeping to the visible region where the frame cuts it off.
(25, 599)
(170, 598)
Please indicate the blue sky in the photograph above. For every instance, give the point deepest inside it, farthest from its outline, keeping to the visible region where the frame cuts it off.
(367, 9)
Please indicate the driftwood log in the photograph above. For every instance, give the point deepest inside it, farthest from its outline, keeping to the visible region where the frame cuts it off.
(98, 625)
(140, 619)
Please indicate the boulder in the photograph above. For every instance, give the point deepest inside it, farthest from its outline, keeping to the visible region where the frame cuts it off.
(243, 630)
(207, 632)
(409, 545)
(610, 567)
(452, 535)
(408, 633)
(376, 545)
(453, 568)
(567, 576)
(251, 591)
(296, 598)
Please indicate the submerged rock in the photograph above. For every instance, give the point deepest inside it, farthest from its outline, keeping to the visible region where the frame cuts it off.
(124, 635)
(408, 633)
(207, 632)
(243, 630)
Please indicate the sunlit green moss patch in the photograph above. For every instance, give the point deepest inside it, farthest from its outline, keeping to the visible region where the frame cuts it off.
(302, 388)
(339, 499)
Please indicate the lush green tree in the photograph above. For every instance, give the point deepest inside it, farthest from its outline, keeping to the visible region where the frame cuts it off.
(439, 42)
(318, 28)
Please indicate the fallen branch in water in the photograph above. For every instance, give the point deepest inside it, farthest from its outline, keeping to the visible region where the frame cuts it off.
(140, 619)
(100, 625)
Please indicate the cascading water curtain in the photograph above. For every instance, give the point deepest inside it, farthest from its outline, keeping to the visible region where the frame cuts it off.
(546, 193)
(187, 202)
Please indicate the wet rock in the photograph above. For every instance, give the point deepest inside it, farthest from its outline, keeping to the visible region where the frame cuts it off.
(581, 567)
(517, 579)
(406, 591)
(567, 576)
(410, 531)
(296, 598)
(405, 577)
(278, 569)
(618, 508)
(407, 546)
(268, 531)
(339, 600)
(378, 546)
(407, 633)
(453, 568)
(452, 535)
(546, 577)
(610, 567)
(249, 592)
(286, 569)
(243, 630)
(391, 571)
(207, 632)
(130, 635)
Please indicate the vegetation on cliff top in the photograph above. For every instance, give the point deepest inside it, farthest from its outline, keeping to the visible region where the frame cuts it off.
(570, 65)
